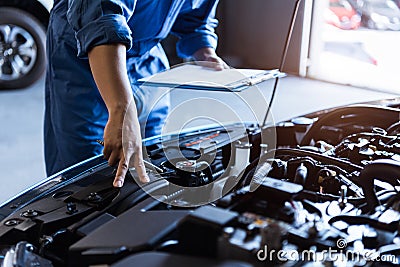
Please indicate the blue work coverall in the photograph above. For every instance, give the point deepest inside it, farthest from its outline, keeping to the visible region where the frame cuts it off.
(75, 114)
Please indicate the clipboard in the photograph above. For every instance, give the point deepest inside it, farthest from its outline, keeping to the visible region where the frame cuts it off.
(196, 77)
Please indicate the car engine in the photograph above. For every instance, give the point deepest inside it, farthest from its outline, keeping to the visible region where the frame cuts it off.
(317, 190)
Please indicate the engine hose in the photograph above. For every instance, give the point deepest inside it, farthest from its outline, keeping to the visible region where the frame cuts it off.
(372, 114)
(355, 137)
(322, 197)
(343, 164)
(360, 219)
(383, 169)
(394, 128)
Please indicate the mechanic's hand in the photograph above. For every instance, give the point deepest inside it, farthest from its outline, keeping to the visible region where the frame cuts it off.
(123, 144)
(122, 140)
(207, 57)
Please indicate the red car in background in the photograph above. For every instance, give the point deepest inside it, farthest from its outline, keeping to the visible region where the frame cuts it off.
(342, 15)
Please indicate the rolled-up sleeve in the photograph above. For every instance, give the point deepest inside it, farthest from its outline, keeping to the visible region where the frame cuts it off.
(98, 22)
(195, 29)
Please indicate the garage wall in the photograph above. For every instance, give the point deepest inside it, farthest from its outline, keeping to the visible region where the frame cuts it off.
(252, 33)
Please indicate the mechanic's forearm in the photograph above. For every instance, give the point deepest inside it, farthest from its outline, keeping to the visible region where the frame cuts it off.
(108, 65)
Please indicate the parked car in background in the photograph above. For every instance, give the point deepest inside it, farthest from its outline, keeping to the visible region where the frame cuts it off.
(342, 15)
(22, 41)
(379, 14)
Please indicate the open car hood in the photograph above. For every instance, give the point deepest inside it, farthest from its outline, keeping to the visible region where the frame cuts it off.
(313, 184)
(317, 190)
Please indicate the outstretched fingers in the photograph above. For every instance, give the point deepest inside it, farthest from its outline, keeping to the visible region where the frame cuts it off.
(123, 168)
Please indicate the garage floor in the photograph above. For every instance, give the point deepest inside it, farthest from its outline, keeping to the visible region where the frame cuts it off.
(21, 116)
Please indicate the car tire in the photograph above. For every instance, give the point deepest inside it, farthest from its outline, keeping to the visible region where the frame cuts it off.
(371, 24)
(22, 48)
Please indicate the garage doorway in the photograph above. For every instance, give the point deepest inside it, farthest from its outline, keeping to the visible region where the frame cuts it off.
(356, 42)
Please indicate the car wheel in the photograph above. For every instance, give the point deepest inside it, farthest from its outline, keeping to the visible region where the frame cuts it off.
(22, 48)
(371, 24)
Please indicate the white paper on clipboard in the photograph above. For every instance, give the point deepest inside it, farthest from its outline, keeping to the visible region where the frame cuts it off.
(192, 76)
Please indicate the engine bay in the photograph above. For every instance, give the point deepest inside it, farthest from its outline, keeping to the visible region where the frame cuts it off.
(317, 190)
